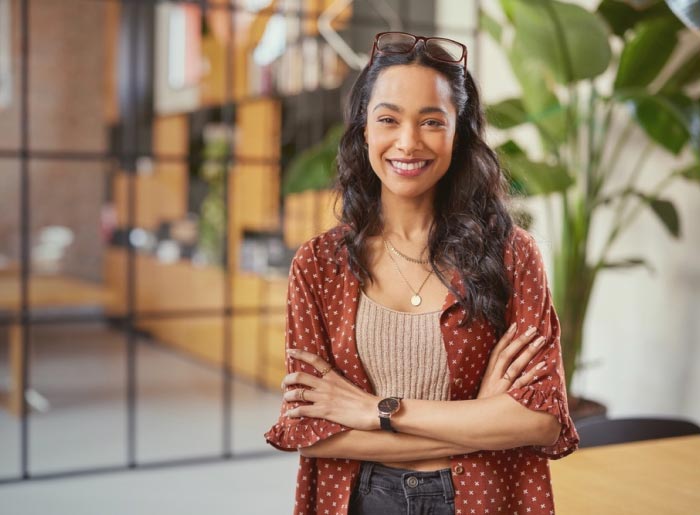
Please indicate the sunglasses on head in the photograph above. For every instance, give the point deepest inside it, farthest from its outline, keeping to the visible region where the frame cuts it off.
(440, 49)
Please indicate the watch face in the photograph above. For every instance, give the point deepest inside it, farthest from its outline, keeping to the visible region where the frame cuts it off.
(388, 405)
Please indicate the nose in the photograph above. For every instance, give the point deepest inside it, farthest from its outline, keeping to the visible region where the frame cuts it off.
(408, 139)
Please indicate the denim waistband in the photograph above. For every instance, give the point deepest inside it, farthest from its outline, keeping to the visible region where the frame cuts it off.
(409, 482)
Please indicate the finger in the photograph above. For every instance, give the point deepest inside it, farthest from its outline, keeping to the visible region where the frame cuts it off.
(305, 410)
(295, 395)
(530, 376)
(506, 338)
(301, 378)
(519, 364)
(312, 359)
(508, 354)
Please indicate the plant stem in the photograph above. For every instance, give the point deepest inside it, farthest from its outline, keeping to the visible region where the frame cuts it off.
(620, 145)
(596, 169)
(590, 183)
(619, 222)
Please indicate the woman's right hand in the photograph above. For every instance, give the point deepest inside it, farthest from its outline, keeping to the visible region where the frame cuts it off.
(507, 362)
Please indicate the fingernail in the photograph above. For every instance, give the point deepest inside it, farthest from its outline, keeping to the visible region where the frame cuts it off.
(291, 351)
(530, 331)
(541, 365)
(538, 342)
(512, 327)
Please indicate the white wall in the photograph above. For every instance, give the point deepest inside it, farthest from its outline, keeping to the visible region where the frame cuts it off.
(642, 330)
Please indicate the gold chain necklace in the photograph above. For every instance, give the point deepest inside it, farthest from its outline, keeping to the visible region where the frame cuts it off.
(401, 254)
(416, 298)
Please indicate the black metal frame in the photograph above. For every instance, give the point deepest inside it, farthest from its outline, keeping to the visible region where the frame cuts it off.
(128, 153)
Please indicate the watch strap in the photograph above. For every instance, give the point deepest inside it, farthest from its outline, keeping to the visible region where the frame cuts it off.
(385, 424)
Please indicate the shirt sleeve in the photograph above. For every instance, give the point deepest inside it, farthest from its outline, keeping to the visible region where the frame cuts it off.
(531, 306)
(305, 329)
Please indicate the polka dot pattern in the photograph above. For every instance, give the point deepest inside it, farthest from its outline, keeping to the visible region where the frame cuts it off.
(321, 309)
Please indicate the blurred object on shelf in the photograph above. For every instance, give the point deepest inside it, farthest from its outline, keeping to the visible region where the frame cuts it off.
(265, 253)
(48, 253)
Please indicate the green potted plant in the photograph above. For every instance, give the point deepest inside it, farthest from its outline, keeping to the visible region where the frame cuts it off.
(562, 56)
(314, 168)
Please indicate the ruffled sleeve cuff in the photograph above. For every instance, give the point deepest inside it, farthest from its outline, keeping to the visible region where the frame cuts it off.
(555, 403)
(293, 434)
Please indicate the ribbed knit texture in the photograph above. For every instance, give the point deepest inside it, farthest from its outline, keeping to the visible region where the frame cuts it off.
(403, 353)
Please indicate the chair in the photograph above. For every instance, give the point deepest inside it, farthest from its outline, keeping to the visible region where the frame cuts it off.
(596, 431)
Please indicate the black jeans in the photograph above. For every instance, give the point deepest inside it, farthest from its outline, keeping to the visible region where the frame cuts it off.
(382, 490)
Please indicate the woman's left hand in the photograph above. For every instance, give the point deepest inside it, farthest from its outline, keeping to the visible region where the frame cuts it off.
(331, 397)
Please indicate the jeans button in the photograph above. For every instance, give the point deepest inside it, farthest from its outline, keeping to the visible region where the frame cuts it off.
(412, 481)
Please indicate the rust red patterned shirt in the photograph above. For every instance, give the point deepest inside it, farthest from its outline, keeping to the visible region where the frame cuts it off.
(321, 308)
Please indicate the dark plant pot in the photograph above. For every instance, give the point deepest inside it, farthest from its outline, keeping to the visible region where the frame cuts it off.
(580, 408)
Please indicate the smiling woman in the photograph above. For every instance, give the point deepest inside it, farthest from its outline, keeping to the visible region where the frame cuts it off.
(423, 348)
(410, 131)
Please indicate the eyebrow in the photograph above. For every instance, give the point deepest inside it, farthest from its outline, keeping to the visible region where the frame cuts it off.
(423, 110)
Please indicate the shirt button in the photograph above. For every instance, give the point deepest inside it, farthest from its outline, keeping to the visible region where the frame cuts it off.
(459, 469)
(412, 481)
(458, 382)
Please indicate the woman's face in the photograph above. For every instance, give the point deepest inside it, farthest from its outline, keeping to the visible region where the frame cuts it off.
(410, 130)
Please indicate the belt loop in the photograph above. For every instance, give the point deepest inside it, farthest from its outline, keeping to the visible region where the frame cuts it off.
(365, 474)
(447, 487)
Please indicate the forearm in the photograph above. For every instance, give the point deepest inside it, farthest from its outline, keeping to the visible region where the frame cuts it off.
(493, 423)
(382, 446)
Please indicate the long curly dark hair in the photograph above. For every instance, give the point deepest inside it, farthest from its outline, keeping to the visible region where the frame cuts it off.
(471, 222)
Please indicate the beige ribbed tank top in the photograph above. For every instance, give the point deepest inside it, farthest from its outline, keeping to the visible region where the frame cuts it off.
(403, 353)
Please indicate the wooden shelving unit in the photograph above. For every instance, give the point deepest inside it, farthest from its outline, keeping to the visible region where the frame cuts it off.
(258, 331)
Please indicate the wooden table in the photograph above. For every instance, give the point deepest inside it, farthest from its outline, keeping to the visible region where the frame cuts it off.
(52, 291)
(653, 476)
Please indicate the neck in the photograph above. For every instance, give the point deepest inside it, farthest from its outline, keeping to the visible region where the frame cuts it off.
(407, 219)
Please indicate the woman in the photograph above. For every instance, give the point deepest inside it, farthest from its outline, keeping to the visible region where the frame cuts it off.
(423, 348)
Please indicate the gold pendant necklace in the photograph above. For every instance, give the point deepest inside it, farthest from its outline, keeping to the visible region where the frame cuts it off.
(416, 298)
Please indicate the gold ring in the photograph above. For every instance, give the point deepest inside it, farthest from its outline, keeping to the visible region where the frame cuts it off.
(301, 394)
(324, 372)
(506, 377)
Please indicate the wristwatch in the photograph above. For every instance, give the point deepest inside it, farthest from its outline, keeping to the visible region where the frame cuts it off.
(386, 408)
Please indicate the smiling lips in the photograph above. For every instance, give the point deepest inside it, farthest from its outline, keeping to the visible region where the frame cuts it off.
(409, 167)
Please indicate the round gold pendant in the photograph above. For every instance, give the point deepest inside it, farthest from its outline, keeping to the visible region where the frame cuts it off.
(416, 300)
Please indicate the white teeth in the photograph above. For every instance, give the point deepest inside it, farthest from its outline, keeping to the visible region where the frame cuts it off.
(408, 166)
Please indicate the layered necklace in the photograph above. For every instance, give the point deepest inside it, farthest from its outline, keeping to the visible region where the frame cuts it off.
(416, 299)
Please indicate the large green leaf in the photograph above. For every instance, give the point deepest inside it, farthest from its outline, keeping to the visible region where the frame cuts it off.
(622, 16)
(314, 168)
(659, 116)
(665, 211)
(490, 25)
(692, 172)
(568, 40)
(507, 113)
(646, 53)
(537, 178)
(505, 151)
(509, 149)
(508, 7)
(540, 102)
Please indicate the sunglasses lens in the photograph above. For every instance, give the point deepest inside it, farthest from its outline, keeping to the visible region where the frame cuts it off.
(444, 49)
(395, 43)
